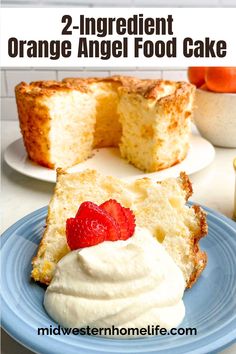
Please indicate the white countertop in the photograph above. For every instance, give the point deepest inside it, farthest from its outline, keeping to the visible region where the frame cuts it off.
(213, 187)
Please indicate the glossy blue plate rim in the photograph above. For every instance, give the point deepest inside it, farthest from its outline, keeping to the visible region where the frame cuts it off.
(48, 345)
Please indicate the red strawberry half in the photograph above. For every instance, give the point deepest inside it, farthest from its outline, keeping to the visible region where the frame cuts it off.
(92, 210)
(119, 214)
(84, 232)
(87, 208)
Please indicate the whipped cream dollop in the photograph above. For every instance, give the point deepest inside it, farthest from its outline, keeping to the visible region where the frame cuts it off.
(132, 283)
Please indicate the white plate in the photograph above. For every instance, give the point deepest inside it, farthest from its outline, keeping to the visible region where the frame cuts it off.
(109, 162)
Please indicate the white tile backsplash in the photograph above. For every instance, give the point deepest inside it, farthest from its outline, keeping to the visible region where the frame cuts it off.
(12, 3)
(141, 74)
(8, 108)
(14, 77)
(3, 84)
(122, 72)
(65, 3)
(98, 73)
(180, 75)
(153, 74)
(228, 3)
(109, 2)
(177, 3)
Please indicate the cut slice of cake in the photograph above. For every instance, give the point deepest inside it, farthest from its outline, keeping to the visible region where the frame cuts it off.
(160, 207)
(155, 116)
(57, 121)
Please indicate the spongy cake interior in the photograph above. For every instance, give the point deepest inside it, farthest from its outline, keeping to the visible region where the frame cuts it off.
(70, 112)
(153, 134)
(161, 207)
(107, 132)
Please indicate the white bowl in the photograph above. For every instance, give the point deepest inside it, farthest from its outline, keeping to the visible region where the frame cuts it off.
(215, 117)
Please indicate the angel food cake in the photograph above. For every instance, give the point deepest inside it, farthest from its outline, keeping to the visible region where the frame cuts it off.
(158, 207)
(149, 120)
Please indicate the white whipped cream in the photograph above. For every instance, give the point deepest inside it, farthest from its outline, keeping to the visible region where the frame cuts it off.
(133, 283)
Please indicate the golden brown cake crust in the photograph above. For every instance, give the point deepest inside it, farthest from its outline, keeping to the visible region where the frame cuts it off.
(42, 276)
(199, 257)
(90, 80)
(47, 88)
(147, 88)
(34, 124)
(187, 185)
(34, 116)
(151, 89)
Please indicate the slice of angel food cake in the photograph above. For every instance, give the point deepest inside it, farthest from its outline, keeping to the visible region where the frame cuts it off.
(158, 207)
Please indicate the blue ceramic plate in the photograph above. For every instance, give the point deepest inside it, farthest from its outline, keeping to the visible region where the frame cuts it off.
(210, 304)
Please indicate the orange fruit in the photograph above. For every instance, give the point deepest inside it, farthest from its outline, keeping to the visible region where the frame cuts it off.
(196, 75)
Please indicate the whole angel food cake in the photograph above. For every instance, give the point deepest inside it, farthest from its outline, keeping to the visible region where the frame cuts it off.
(159, 208)
(149, 120)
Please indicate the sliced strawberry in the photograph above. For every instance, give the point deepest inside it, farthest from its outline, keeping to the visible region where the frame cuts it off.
(131, 220)
(84, 232)
(116, 211)
(94, 224)
(93, 211)
(87, 207)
